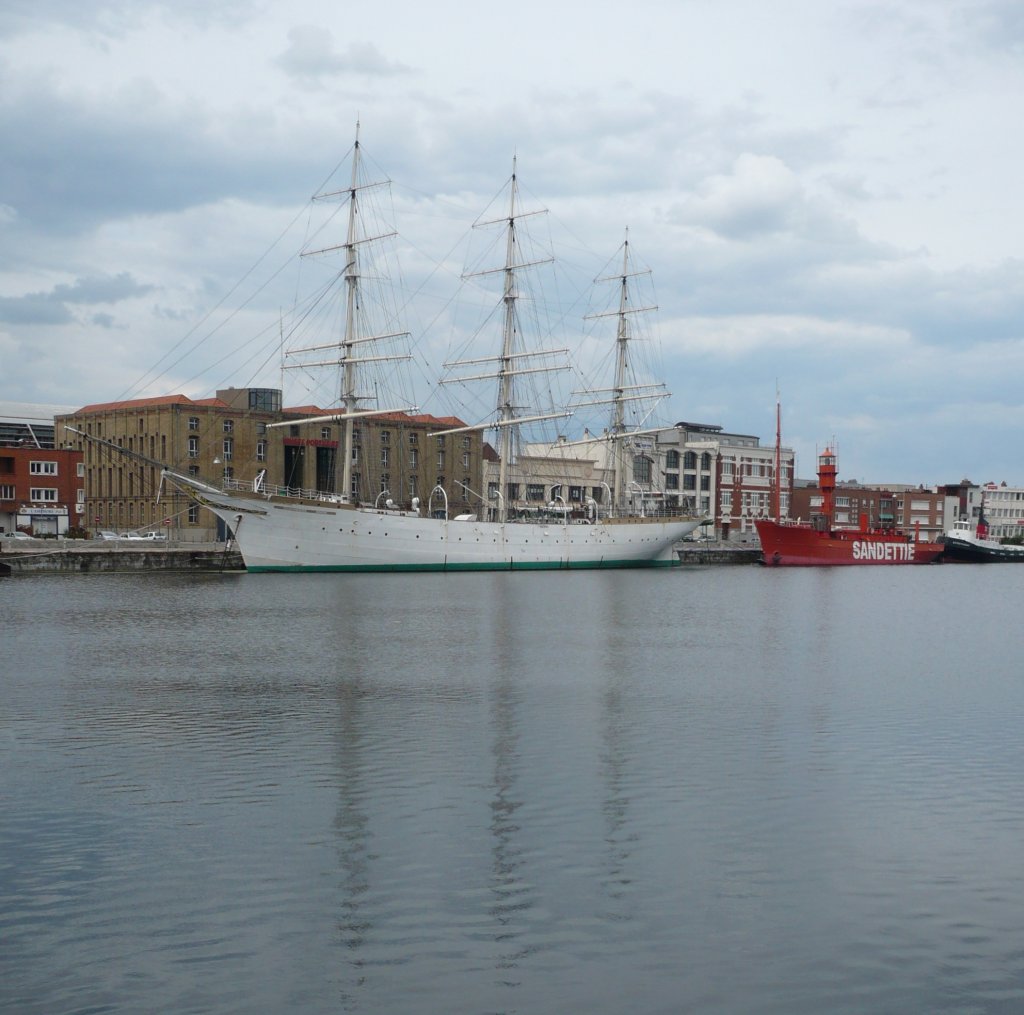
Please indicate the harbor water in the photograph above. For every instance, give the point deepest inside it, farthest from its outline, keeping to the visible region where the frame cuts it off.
(705, 790)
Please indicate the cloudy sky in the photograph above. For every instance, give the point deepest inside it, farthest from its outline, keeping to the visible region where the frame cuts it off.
(826, 193)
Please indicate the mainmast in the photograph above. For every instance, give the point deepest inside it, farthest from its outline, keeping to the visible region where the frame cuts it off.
(511, 362)
(622, 393)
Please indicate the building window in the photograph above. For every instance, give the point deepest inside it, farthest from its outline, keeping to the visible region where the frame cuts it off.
(690, 460)
(42, 468)
(354, 489)
(705, 461)
(229, 425)
(596, 493)
(575, 494)
(512, 491)
(44, 494)
(193, 514)
(465, 441)
(642, 469)
(384, 453)
(193, 422)
(689, 482)
(413, 486)
(193, 447)
(465, 459)
(385, 483)
(414, 458)
(80, 470)
(325, 433)
(535, 491)
(385, 436)
(672, 481)
(492, 491)
(265, 399)
(414, 440)
(193, 470)
(229, 448)
(261, 451)
(355, 454)
(705, 483)
(672, 460)
(261, 429)
(6, 493)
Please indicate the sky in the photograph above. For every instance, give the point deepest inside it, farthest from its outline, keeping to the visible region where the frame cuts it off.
(826, 195)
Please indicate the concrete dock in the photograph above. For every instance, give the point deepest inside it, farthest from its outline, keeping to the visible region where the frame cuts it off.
(72, 556)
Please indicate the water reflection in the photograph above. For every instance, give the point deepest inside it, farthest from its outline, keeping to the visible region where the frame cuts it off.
(742, 791)
(351, 822)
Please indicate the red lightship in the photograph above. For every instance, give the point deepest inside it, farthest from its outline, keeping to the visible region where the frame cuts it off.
(820, 544)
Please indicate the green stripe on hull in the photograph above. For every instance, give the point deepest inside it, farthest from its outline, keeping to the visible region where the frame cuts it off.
(587, 565)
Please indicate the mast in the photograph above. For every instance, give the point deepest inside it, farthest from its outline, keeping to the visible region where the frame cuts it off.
(348, 358)
(621, 393)
(777, 490)
(348, 389)
(509, 363)
(506, 411)
(618, 404)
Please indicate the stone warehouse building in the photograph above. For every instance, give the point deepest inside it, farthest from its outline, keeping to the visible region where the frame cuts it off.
(231, 438)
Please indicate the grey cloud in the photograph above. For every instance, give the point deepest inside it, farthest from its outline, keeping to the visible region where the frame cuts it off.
(53, 307)
(75, 166)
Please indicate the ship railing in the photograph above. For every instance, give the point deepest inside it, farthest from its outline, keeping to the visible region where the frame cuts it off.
(265, 489)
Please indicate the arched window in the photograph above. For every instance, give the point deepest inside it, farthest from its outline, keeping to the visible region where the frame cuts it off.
(690, 460)
(705, 461)
(672, 460)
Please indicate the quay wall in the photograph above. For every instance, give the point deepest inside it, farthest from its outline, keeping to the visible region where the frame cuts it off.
(73, 559)
(718, 553)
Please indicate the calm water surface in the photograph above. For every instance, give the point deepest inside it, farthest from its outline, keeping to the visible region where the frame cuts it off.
(719, 790)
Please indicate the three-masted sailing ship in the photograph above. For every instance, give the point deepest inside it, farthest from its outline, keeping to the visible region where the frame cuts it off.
(278, 531)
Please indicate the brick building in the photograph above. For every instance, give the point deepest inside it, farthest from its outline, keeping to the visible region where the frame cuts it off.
(41, 485)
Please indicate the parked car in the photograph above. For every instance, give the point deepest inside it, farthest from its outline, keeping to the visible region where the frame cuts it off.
(17, 535)
(106, 535)
(130, 535)
(154, 536)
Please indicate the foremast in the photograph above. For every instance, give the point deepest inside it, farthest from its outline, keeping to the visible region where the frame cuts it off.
(349, 358)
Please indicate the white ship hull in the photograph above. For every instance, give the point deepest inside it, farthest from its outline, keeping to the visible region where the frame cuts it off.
(276, 535)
